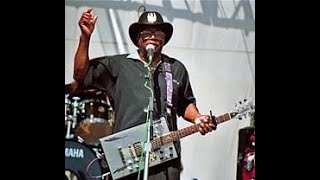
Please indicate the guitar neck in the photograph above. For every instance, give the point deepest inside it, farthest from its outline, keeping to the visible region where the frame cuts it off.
(175, 135)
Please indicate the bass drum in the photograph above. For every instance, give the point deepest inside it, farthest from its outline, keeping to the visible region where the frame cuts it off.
(81, 162)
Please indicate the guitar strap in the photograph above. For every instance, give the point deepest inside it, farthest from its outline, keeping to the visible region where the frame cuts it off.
(168, 78)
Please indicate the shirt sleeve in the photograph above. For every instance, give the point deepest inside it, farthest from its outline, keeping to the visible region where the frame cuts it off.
(185, 92)
(98, 75)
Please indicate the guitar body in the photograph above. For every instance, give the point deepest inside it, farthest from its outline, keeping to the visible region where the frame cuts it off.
(123, 149)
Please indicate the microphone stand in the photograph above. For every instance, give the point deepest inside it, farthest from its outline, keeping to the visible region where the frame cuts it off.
(148, 145)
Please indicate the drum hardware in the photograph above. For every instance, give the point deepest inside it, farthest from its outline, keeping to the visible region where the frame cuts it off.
(71, 115)
(66, 106)
(75, 105)
(80, 139)
(68, 117)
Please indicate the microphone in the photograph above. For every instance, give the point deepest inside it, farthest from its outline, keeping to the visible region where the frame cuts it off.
(150, 50)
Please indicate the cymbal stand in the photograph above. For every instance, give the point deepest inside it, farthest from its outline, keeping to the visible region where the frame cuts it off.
(67, 118)
(75, 105)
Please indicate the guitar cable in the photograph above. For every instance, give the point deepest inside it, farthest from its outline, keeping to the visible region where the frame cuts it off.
(98, 176)
(144, 134)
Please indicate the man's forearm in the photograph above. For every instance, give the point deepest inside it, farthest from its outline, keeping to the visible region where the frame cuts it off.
(191, 113)
(81, 61)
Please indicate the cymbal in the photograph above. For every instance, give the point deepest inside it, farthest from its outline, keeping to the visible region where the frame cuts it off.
(92, 93)
(84, 93)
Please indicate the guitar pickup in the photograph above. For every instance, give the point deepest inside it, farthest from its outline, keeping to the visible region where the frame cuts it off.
(121, 154)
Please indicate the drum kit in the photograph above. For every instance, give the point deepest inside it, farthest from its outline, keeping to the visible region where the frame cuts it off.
(88, 117)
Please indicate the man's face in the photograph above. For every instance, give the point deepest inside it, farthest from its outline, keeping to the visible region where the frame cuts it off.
(151, 35)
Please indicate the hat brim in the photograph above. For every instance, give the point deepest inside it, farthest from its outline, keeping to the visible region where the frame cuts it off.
(136, 28)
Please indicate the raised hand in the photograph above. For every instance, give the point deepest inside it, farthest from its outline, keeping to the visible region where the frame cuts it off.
(87, 23)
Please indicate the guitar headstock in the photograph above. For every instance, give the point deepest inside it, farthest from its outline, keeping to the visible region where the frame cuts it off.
(243, 109)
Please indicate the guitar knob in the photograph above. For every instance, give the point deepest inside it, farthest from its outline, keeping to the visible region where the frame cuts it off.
(161, 155)
(171, 153)
(130, 168)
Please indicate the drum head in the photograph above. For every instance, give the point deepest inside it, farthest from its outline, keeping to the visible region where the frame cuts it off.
(81, 162)
(91, 131)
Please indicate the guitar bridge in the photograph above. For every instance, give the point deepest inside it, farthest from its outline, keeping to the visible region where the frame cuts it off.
(133, 153)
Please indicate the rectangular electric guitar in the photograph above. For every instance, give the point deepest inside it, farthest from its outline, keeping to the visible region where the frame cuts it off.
(123, 150)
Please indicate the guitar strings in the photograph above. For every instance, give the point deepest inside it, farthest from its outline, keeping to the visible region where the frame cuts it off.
(156, 143)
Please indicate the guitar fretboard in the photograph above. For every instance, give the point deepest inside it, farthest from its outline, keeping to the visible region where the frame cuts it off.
(175, 135)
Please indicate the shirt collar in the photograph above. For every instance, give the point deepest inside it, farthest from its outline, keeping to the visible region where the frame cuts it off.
(135, 55)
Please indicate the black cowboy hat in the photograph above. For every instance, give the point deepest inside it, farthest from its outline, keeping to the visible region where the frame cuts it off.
(147, 19)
